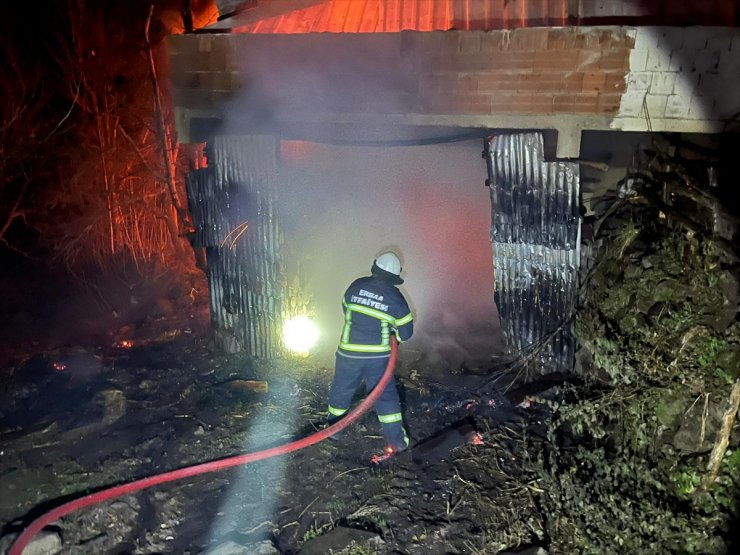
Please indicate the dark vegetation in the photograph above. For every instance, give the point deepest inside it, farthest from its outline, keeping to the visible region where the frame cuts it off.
(92, 217)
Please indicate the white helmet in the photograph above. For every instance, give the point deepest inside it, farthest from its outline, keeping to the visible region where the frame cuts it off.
(389, 262)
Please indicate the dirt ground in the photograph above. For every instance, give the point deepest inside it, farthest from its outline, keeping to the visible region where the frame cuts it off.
(114, 415)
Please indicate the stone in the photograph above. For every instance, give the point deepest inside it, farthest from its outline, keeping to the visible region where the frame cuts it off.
(258, 386)
(663, 83)
(263, 548)
(46, 542)
(677, 106)
(228, 548)
(227, 340)
(638, 60)
(631, 104)
(729, 361)
(534, 550)
(640, 80)
(113, 402)
(340, 539)
(699, 425)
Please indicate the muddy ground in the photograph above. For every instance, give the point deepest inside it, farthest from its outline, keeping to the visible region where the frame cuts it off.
(611, 460)
(121, 413)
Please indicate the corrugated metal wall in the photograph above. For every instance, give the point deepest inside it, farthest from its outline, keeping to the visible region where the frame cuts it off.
(233, 203)
(536, 244)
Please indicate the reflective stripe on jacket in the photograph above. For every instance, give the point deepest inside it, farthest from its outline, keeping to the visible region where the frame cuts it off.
(373, 309)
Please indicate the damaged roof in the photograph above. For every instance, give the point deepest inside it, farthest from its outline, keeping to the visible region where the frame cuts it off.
(388, 16)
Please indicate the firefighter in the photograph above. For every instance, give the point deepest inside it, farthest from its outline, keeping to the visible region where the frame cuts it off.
(373, 309)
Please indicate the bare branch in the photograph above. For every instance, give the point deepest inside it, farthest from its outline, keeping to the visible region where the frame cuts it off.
(723, 437)
(66, 116)
(156, 174)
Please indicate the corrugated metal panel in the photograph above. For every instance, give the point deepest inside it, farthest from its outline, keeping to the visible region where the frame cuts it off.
(536, 245)
(233, 203)
(392, 16)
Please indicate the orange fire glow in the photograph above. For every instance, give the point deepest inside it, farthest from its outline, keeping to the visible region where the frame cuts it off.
(204, 12)
(233, 236)
(296, 151)
(475, 438)
(388, 452)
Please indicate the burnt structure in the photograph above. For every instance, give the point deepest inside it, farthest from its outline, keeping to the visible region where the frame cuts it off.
(510, 68)
(536, 236)
(233, 206)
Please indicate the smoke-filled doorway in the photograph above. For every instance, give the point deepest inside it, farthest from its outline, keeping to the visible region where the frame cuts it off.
(340, 206)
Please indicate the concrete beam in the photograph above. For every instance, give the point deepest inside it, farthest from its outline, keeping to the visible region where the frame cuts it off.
(569, 142)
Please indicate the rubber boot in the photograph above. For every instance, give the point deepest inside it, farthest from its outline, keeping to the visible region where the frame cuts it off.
(339, 435)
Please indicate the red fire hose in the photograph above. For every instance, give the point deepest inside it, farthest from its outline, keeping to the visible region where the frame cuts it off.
(55, 514)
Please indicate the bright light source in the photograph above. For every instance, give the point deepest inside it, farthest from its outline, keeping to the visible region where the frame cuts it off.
(300, 334)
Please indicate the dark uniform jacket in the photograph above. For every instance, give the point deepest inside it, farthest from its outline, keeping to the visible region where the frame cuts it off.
(373, 309)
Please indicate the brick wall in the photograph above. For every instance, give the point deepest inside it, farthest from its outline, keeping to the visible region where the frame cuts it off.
(568, 79)
(524, 71)
(529, 71)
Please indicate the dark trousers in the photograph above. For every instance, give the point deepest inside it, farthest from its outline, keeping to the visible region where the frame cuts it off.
(348, 374)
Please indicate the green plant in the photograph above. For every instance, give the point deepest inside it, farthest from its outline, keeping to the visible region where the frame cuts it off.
(708, 350)
(362, 550)
(315, 531)
(685, 481)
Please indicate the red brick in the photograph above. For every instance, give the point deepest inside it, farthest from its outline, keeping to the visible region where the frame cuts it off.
(559, 82)
(573, 38)
(593, 81)
(579, 39)
(576, 104)
(573, 81)
(502, 101)
(592, 40)
(540, 104)
(459, 103)
(494, 41)
(469, 42)
(523, 104)
(557, 39)
(589, 60)
(557, 60)
(609, 103)
(446, 82)
(447, 40)
(530, 81)
(479, 104)
(533, 100)
(504, 80)
(529, 39)
(615, 60)
(486, 61)
(615, 82)
(467, 82)
(614, 39)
